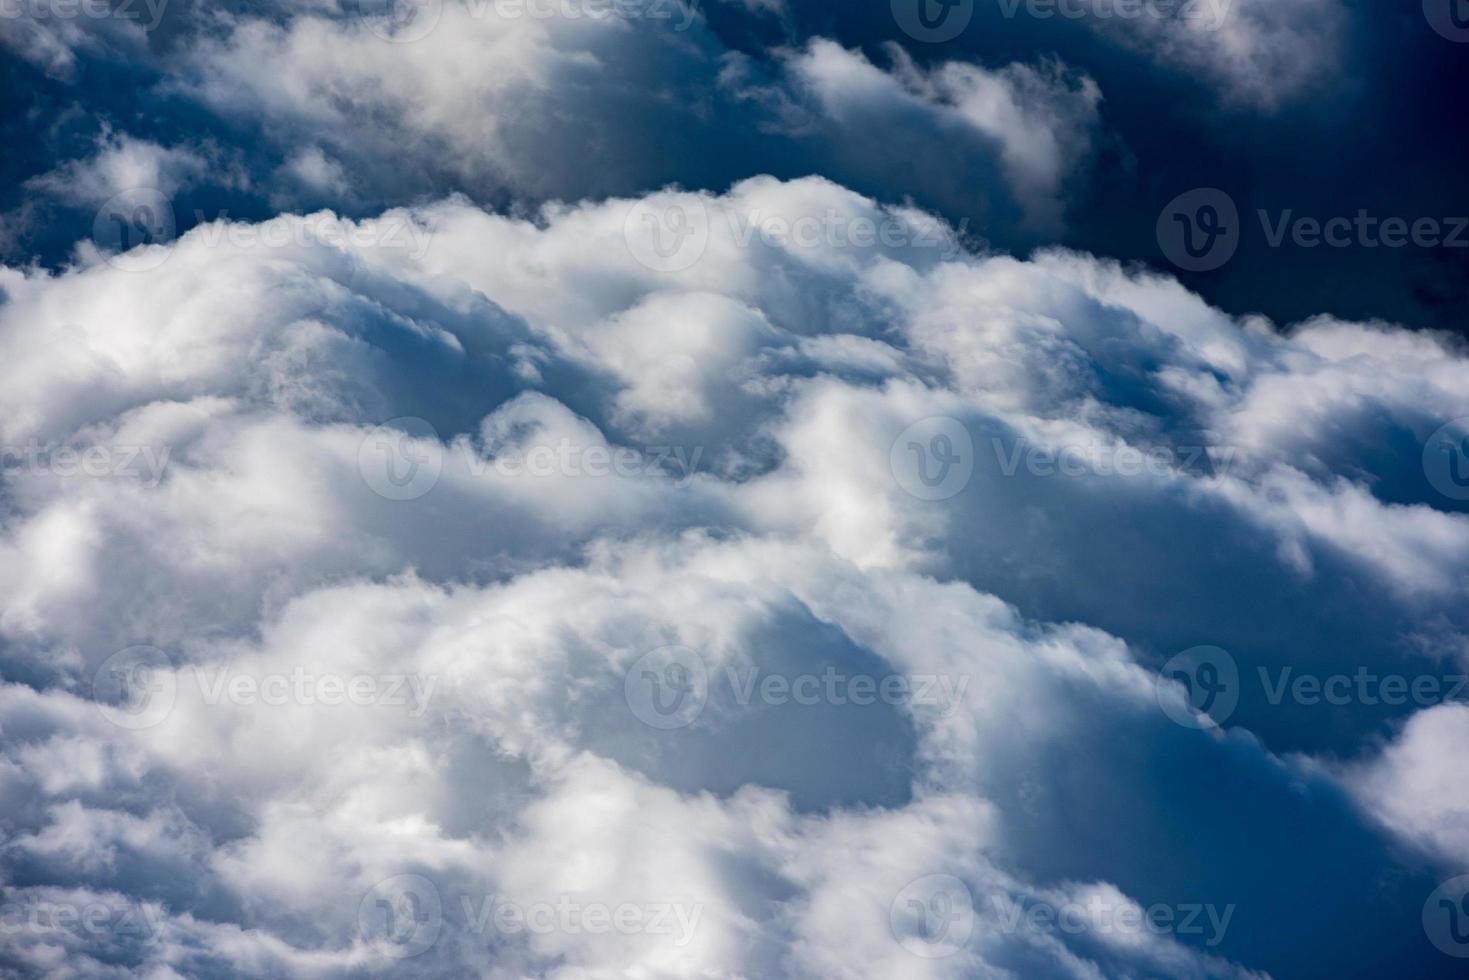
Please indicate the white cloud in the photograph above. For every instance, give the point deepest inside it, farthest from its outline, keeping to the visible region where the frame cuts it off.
(511, 604)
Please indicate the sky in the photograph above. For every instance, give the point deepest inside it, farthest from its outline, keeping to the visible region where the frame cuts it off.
(616, 488)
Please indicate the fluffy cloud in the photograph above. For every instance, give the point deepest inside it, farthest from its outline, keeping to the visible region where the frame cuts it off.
(374, 716)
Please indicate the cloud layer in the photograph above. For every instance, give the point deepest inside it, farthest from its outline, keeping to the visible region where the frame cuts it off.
(589, 592)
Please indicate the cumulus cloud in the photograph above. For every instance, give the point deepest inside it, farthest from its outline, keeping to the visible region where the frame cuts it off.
(122, 163)
(1040, 118)
(1258, 54)
(444, 633)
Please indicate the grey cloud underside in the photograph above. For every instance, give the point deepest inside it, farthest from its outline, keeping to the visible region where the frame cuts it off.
(248, 836)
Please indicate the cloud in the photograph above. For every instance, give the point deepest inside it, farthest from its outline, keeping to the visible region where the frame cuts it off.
(1040, 118)
(392, 696)
(122, 163)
